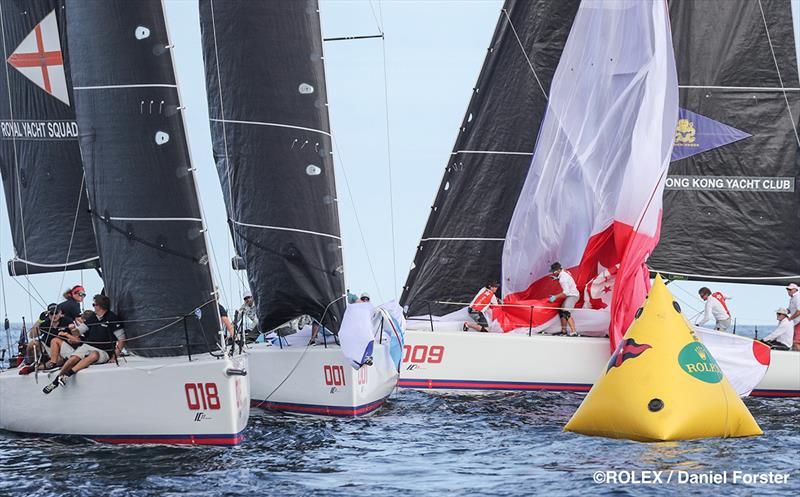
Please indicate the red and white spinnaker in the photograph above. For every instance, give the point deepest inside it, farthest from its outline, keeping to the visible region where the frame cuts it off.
(592, 197)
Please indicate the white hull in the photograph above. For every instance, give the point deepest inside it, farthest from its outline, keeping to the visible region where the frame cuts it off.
(450, 360)
(166, 400)
(319, 380)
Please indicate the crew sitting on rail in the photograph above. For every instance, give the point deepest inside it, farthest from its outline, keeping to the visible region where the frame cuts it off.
(716, 308)
(249, 318)
(569, 292)
(71, 306)
(103, 338)
(42, 334)
(485, 297)
(781, 338)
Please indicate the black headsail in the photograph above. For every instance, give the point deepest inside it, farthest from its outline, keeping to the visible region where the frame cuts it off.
(462, 244)
(39, 154)
(732, 201)
(141, 185)
(272, 145)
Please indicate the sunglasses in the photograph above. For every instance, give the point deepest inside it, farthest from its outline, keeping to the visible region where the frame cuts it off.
(365, 299)
(81, 294)
(95, 304)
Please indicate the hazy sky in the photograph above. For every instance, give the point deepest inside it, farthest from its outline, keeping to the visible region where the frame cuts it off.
(434, 51)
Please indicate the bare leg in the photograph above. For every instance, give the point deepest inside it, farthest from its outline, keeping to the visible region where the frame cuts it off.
(73, 360)
(473, 326)
(563, 325)
(86, 361)
(55, 348)
(571, 323)
(314, 332)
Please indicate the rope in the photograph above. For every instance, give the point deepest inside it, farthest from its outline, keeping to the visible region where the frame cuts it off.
(355, 213)
(388, 155)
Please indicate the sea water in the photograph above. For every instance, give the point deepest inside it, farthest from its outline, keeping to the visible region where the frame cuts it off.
(418, 444)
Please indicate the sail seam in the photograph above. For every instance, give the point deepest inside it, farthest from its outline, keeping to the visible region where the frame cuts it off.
(491, 152)
(112, 218)
(71, 263)
(278, 125)
(282, 228)
(743, 278)
(747, 88)
(465, 239)
(107, 87)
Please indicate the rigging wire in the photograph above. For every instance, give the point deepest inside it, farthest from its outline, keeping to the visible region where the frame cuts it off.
(778, 71)
(16, 161)
(355, 214)
(522, 47)
(388, 146)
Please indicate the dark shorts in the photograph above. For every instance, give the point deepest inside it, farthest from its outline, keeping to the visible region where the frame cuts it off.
(478, 317)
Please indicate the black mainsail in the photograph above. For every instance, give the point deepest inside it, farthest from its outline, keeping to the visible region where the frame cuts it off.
(272, 145)
(141, 185)
(462, 245)
(732, 201)
(40, 157)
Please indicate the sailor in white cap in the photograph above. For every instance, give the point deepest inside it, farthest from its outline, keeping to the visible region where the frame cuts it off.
(794, 311)
(781, 338)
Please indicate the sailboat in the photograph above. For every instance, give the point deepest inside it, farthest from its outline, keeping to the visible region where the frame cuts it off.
(272, 146)
(104, 101)
(486, 177)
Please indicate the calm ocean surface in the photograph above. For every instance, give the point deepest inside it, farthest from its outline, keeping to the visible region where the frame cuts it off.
(418, 444)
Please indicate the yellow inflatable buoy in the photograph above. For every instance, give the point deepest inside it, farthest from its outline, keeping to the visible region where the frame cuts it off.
(662, 384)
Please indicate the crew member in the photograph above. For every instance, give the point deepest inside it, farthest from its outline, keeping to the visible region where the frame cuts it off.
(569, 292)
(71, 306)
(794, 312)
(781, 338)
(247, 313)
(486, 297)
(716, 308)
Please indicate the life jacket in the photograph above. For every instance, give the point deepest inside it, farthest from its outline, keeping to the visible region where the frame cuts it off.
(721, 299)
(482, 300)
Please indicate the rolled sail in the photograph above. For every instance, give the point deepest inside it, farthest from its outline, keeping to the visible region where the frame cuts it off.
(462, 245)
(732, 198)
(39, 154)
(272, 146)
(146, 211)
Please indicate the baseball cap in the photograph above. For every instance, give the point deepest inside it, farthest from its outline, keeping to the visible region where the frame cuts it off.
(782, 310)
(792, 286)
(364, 295)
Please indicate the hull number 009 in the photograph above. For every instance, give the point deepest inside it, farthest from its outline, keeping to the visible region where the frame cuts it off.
(423, 354)
(201, 396)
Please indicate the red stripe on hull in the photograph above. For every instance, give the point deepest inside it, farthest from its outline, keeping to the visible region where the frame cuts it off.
(319, 410)
(179, 440)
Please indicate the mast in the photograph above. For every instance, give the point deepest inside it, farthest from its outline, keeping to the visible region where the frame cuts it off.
(147, 216)
(39, 153)
(732, 201)
(272, 146)
(462, 245)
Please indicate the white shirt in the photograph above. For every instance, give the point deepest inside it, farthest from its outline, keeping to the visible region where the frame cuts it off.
(794, 303)
(568, 285)
(784, 333)
(713, 309)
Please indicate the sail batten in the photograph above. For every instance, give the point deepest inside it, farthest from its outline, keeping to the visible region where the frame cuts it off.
(273, 150)
(146, 209)
(39, 153)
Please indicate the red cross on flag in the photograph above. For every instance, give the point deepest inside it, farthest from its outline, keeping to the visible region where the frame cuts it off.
(39, 58)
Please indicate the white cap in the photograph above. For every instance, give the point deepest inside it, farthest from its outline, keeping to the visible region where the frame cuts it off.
(792, 286)
(365, 294)
(782, 310)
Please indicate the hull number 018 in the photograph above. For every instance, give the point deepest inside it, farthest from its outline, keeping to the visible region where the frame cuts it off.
(201, 396)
